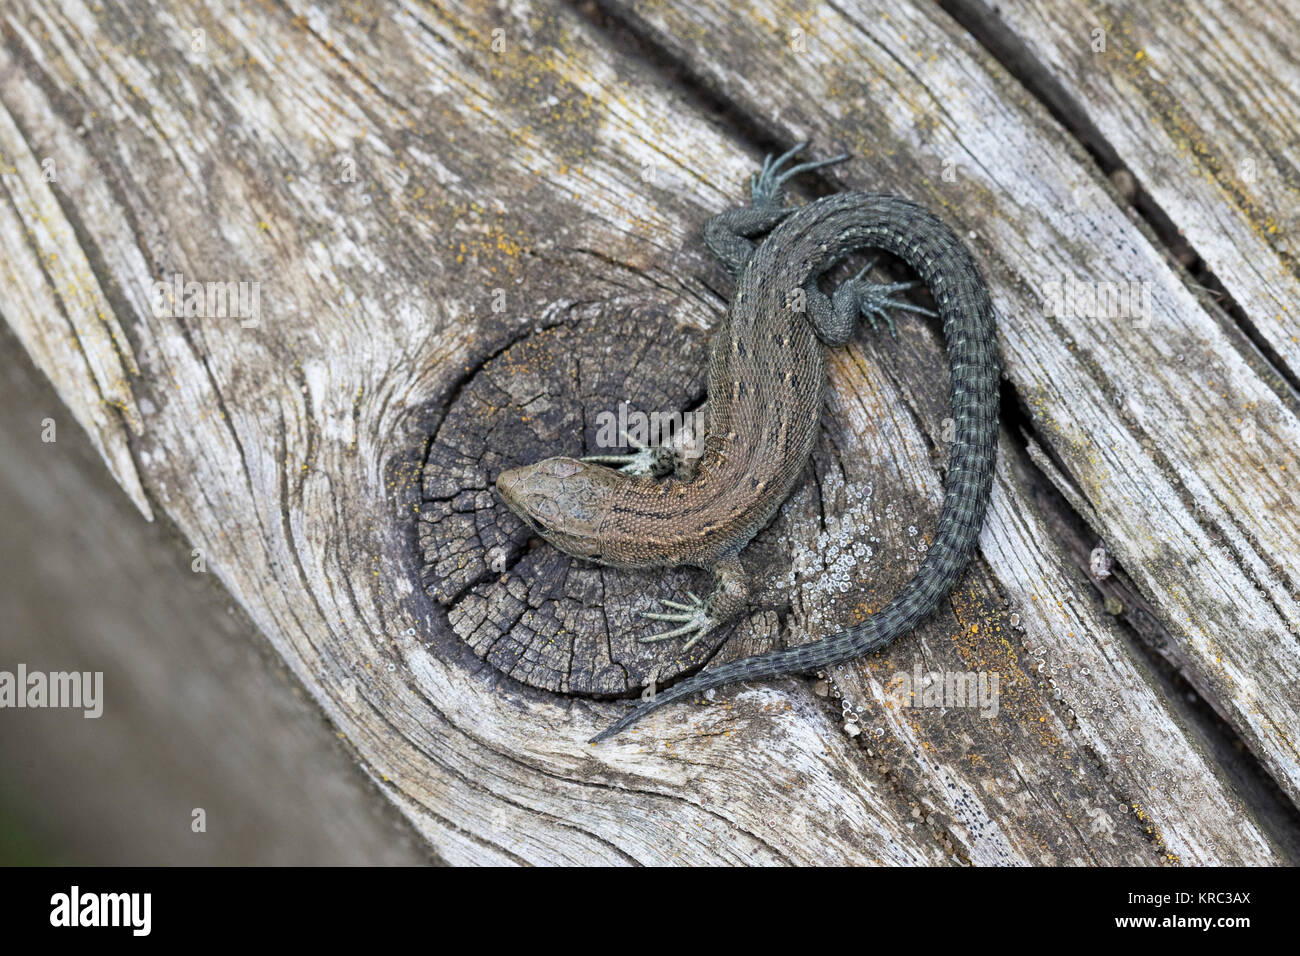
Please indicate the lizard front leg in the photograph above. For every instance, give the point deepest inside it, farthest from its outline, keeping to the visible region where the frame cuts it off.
(676, 457)
(730, 596)
(656, 461)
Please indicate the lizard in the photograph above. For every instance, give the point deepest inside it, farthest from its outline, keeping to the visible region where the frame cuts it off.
(656, 507)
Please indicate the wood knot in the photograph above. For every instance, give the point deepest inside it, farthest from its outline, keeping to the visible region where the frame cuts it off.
(544, 618)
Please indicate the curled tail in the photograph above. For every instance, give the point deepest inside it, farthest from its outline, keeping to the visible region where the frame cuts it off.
(845, 223)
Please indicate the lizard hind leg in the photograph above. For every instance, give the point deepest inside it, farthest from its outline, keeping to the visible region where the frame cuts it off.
(699, 617)
(833, 319)
(766, 186)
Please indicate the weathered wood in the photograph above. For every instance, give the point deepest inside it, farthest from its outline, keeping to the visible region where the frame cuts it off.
(555, 175)
(1111, 397)
(1197, 101)
(290, 452)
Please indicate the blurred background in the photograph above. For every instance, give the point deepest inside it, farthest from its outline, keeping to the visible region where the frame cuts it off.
(198, 713)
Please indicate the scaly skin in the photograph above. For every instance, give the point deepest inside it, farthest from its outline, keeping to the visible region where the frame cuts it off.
(766, 378)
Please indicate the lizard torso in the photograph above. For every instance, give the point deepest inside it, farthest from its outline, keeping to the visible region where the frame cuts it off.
(767, 373)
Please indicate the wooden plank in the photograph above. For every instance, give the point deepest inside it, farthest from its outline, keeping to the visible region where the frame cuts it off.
(1155, 418)
(290, 451)
(538, 162)
(1196, 100)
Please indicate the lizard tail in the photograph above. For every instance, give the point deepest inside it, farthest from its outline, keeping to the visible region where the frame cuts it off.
(748, 668)
(848, 222)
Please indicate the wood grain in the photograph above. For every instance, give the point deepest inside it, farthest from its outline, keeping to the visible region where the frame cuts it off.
(1153, 417)
(417, 194)
(1195, 101)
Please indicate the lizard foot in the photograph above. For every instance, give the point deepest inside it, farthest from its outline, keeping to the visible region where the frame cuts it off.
(733, 235)
(765, 185)
(645, 461)
(695, 620)
(873, 300)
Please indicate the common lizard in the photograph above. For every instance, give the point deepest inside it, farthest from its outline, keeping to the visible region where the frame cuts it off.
(767, 374)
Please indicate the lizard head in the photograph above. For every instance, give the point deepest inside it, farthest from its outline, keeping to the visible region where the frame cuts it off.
(564, 500)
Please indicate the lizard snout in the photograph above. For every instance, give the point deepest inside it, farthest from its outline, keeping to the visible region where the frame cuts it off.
(529, 488)
(540, 493)
(510, 486)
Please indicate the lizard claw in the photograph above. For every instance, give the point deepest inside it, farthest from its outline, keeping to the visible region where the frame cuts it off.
(765, 185)
(694, 619)
(875, 299)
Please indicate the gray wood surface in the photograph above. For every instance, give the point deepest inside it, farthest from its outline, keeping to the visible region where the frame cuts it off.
(474, 228)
